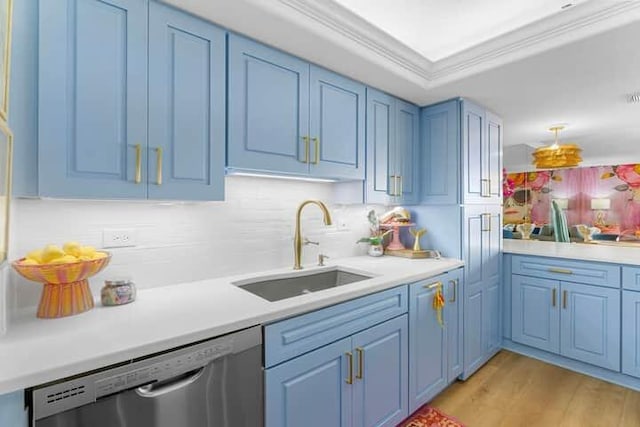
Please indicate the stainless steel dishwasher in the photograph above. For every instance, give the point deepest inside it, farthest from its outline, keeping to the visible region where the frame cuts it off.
(215, 383)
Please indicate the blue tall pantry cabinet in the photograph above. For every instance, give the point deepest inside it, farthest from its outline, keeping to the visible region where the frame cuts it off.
(461, 190)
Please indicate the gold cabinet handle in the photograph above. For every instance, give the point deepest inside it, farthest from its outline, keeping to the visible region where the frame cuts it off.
(564, 299)
(486, 221)
(159, 153)
(349, 379)
(305, 139)
(401, 190)
(560, 270)
(454, 284)
(316, 142)
(360, 352)
(483, 187)
(553, 297)
(433, 285)
(138, 175)
(392, 178)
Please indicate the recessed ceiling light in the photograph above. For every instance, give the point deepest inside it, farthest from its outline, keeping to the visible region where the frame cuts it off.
(633, 98)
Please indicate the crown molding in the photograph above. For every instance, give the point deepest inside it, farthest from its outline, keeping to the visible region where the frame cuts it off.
(335, 17)
(578, 22)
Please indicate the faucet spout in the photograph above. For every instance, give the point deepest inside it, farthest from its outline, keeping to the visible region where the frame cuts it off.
(297, 240)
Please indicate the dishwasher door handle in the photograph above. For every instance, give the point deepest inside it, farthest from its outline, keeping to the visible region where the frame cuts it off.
(168, 386)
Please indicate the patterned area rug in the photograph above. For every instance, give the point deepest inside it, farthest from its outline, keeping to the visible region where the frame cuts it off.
(430, 417)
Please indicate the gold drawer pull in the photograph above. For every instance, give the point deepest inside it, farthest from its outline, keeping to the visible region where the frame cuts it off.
(553, 297)
(433, 285)
(349, 379)
(360, 351)
(560, 270)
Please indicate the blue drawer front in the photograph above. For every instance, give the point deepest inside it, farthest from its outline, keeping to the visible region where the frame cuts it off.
(292, 337)
(591, 273)
(631, 278)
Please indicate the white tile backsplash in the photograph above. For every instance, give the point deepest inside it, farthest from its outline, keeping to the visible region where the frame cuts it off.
(252, 230)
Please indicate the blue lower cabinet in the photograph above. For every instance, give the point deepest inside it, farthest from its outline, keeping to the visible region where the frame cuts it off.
(575, 320)
(631, 333)
(311, 390)
(435, 351)
(380, 378)
(12, 410)
(454, 324)
(535, 312)
(590, 324)
(360, 380)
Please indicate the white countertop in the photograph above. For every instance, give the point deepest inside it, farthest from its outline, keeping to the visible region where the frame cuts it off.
(36, 351)
(579, 251)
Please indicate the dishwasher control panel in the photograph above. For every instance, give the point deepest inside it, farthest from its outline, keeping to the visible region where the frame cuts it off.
(161, 370)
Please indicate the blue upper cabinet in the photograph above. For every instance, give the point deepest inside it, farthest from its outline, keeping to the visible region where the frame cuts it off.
(92, 98)
(187, 83)
(381, 122)
(110, 126)
(392, 145)
(406, 151)
(268, 107)
(289, 117)
(462, 146)
(337, 119)
(475, 160)
(440, 133)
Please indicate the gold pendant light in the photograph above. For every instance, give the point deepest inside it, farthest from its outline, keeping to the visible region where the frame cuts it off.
(556, 155)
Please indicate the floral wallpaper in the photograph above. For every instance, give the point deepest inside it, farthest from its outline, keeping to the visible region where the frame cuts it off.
(528, 196)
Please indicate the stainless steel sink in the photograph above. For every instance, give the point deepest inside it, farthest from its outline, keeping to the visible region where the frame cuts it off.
(278, 288)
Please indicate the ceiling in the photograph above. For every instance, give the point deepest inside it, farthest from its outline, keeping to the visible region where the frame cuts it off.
(437, 29)
(532, 63)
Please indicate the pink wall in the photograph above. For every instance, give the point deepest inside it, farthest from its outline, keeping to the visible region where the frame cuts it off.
(528, 195)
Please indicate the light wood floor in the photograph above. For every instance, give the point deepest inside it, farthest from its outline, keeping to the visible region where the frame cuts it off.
(514, 390)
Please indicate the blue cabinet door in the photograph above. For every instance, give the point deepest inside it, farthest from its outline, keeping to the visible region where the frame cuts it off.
(440, 153)
(12, 410)
(494, 157)
(406, 149)
(631, 333)
(268, 109)
(475, 160)
(311, 390)
(92, 98)
(427, 345)
(381, 132)
(380, 374)
(492, 327)
(590, 324)
(187, 84)
(337, 126)
(454, 295)
(535, 312)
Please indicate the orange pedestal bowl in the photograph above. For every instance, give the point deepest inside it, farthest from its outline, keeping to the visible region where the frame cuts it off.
(66, 286)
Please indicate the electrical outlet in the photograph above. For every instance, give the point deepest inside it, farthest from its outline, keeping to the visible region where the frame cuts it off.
(118, 237)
